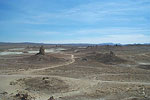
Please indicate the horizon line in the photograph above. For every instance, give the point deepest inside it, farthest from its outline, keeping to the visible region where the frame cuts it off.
(104, 43)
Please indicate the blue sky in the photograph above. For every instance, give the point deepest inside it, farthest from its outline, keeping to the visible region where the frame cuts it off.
(75, 21)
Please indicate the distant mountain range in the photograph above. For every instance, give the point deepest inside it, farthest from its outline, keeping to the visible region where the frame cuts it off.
(75, 44)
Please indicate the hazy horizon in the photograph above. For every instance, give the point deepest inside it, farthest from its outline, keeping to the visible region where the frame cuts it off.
(105, 43)
(75, 21)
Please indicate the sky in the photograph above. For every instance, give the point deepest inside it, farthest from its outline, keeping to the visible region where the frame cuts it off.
(75, 21)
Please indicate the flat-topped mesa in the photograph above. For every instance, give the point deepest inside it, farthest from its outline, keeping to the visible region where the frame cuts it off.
(41, 51)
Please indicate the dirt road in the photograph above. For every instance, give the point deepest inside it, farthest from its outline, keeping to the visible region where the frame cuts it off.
(40, 69)
(83, 84)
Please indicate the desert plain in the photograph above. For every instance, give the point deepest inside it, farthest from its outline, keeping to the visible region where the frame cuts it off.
(75, 72)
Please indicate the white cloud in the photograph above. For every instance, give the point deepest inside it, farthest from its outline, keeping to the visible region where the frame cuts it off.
(39, 32)
(124, 39)
(112, 30)
(122, 35)
(94, 12)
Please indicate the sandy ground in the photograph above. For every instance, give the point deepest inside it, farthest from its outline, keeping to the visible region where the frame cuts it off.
(78, 77)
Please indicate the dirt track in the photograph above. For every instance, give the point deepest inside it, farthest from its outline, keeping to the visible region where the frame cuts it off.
(67, 63)
(25, 74)
(81, 88)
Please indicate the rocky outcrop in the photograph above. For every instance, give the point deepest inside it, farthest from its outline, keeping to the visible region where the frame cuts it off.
(23, 96)
(111, 53)
(51, 98)
(41, 51)
(106, 58)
